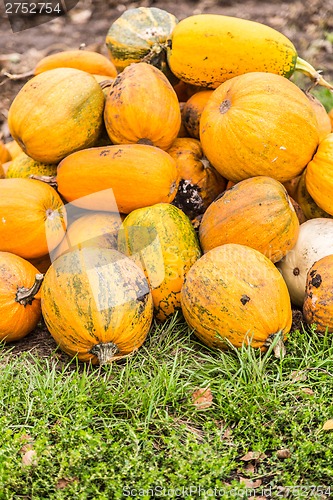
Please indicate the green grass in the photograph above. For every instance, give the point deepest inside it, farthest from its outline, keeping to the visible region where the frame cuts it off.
(102, 432)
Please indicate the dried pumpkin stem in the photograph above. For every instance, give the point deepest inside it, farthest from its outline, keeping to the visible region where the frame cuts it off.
(51, 180)
(25, 296)
(105, 352)
(306, 68)
(275, 343)
(105, 84)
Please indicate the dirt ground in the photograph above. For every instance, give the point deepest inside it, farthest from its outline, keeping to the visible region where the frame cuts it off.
(308, 24)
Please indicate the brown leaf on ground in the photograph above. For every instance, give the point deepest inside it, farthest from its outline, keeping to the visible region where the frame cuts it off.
(328, 425)
(27, 441)
(252, 455)
(29, 458)
(65, 481)
(284, 453)
(308, 391)
(202, 398)
(298, 376)
(249, 483)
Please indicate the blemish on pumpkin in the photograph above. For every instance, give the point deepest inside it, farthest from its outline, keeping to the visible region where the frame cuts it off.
(225, 106)
(296, 271)
(146, 141)
(105, 152)
(244, 299)
(316, 281)
(188, 198)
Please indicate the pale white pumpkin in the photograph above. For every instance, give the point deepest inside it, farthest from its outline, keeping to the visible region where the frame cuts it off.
(315, 240)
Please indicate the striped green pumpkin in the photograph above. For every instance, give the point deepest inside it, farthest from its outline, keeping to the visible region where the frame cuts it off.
(96, 304)
(162, 240)
(138, 34)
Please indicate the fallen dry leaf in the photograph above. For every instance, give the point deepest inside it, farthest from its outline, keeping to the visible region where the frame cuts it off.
(253, 455)
(307, 390)
(298, 376)
(249, 483)
(29, 458)
(328, 425)
(257, 498)
(284, 453)
(202, 398)
(65, 481)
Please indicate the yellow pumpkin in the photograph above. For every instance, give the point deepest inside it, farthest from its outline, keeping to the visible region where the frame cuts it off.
(256, 212)
(96, 304)
(234, 293)
(208, 49)
(91, 229)
(118, 178)
(56, 113)
(319, 175)
(33, 217)
(142, 107)
(255, 124)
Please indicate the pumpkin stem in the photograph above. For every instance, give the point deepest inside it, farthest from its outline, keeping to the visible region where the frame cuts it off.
(25, 296)
(275, 343)
(51, 180)
(105, 84)
(104, 351)
(309, 70)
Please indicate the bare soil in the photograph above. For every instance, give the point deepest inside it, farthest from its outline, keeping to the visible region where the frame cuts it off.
(308, 24)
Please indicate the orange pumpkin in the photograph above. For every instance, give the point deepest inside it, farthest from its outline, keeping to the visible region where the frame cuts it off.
(96, 304)
(330, 114)
(57, 112)
(41, 263)
(33, 217)
(318, 303)
(199, 182)
(256, 212)
(4, 153)
(123, 178)
(241, 128)
(323, 120)
(319, 175)
(85, 60)
(2, 172)
(142, 107)
(91, 229)
(234, 293)
(192, 111)
(20, 308)
(13, 148)
(291, 186)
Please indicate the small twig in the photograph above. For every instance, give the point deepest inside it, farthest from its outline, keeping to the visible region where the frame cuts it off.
(321, 370)
(19, 76)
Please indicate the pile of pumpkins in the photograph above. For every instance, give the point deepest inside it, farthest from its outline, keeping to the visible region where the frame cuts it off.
(185, 171)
